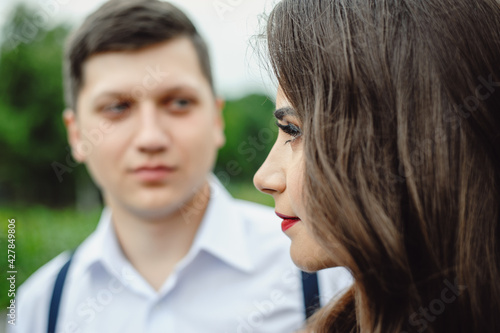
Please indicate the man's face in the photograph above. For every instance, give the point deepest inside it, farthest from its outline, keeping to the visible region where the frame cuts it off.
(159, 122)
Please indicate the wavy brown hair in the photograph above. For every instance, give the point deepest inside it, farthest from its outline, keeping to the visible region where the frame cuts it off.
(400, 106)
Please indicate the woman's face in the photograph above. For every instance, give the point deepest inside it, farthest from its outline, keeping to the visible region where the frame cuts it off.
(282, 176)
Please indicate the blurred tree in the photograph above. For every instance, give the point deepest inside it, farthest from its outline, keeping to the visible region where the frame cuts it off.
(32, 136)
(250, 134)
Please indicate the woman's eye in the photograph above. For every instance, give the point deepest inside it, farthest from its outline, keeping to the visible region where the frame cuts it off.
(290, 129)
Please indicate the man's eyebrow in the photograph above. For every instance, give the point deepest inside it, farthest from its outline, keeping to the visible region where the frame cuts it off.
(109, 94)
(128, 95)
(284, 111)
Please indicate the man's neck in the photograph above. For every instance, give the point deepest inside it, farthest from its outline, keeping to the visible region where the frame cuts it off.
(155, 245)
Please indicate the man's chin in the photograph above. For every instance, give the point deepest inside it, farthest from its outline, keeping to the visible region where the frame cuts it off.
(162, 203)
(154, 212)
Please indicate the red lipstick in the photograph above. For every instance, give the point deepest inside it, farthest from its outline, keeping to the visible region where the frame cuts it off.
(288, 221)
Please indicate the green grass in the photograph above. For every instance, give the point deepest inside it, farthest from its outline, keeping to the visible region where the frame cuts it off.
(43, 233)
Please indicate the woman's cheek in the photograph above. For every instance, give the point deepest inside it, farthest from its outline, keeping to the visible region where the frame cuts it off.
(295, 186)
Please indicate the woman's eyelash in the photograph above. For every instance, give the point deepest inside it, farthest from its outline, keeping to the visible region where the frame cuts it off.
(290, 129)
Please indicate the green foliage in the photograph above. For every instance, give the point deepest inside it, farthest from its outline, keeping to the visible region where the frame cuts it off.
(32, 135)
(250, 134)
(41, 234)
(246, 191)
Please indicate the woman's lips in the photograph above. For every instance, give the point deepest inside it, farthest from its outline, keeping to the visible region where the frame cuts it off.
(288, 221)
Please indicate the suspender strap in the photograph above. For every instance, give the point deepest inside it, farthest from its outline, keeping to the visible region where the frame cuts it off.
(310, 291)
(56, 295)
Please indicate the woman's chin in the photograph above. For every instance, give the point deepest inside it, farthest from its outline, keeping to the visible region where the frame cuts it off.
(310, 257)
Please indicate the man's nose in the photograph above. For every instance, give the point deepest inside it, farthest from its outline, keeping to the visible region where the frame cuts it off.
(152, 136)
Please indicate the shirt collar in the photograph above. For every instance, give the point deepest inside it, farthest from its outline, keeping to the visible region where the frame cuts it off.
(222, 233)
(103, 247)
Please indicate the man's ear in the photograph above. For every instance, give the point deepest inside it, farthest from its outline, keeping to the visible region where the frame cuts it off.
(219, 122)
(74, 137)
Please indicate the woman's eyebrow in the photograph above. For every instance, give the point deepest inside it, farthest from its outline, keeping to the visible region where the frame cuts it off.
(284, 111)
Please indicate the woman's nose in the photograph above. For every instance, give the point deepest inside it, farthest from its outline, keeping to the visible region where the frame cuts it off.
(270, 178)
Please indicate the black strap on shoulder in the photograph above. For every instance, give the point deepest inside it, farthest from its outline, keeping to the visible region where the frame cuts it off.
(56, 295)
(310, 291)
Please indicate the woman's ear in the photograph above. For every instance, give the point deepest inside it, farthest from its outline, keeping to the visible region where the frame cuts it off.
(73, 132)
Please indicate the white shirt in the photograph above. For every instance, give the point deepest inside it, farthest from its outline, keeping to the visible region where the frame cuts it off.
(237, 278)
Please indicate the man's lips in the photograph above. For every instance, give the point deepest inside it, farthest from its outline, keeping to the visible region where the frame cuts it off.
(154, 173)
(288, 221)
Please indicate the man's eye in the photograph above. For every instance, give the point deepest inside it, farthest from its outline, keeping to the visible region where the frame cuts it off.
(117, 108)
(179, 104)
(290, 129)
(182, 102)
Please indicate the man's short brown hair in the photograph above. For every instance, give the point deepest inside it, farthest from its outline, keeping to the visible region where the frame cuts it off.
(125, 25)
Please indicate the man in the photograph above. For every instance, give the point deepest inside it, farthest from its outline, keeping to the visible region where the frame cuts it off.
(173, 252)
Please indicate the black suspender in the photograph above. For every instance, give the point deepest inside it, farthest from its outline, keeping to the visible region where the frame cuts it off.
(56, 295)
(310, 291)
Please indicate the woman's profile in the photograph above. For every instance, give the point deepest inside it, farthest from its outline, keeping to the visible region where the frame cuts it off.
(388, 158)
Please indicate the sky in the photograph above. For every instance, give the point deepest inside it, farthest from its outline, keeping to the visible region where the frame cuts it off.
(229, 27)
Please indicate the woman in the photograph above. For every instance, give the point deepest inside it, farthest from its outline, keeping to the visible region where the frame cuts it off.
(388, 158)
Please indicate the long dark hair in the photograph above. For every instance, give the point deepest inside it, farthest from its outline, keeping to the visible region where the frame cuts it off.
(400, 106)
